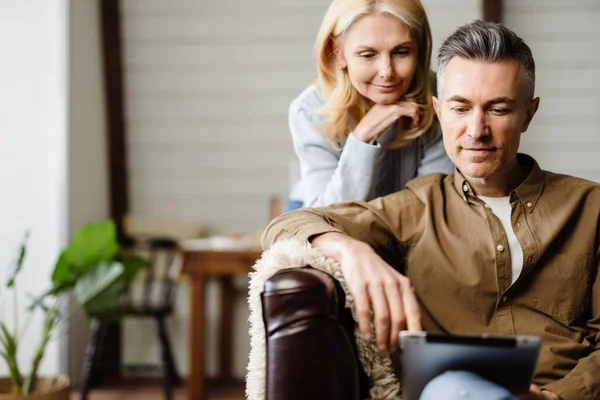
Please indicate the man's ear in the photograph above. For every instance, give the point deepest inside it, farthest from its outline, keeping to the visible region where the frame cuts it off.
(531, 110)
(436, 107)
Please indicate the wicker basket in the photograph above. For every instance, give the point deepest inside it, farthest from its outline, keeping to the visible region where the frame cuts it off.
(48, 388)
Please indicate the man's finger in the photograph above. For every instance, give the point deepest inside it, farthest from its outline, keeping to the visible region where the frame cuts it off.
(411, 307)
(362, 311)
(381, 314)
(397, 317)
(535, 388)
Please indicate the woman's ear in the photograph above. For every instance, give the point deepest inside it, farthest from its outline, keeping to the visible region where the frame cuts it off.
(339, 54)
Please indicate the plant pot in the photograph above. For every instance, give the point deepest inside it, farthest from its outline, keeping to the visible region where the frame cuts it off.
(47, 388)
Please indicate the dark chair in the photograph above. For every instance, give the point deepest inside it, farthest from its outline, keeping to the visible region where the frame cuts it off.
(311, 351)
(160, 253)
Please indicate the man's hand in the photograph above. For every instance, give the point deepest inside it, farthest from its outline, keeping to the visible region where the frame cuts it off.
(535, 393)
(373, 283)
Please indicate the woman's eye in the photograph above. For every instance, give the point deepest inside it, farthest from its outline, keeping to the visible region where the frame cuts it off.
(403, 52)
(367, 55)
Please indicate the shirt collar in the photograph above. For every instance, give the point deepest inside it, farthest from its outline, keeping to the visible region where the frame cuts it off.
(528, 192)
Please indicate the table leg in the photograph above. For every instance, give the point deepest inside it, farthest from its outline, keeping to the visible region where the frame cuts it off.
(226, 328)
(196, 389)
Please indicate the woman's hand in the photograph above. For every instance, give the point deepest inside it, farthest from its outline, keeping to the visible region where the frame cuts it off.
(373, 283)
(381, 116)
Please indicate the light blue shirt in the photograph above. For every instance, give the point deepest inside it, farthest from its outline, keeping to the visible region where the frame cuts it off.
(337, 171)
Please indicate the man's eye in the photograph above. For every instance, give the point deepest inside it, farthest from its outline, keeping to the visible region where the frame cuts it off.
(459, 110)
(499, 111)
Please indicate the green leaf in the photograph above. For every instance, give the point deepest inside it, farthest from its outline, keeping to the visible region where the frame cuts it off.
(62, 268)
(4, 342)
(106, 303)
(93, 242)
(9, 353)
(18, 263)
(10, 344)
(101, 286)
(133, 265)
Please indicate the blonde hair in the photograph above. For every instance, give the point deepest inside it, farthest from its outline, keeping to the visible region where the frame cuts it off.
(344, 106)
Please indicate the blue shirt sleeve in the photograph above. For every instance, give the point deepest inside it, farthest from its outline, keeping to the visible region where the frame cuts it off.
(435, 158)
(329, 172)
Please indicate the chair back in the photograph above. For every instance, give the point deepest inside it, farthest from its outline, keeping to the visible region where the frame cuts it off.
(153, 290)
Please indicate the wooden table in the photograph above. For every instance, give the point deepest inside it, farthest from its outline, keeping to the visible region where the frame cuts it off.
(198, 265)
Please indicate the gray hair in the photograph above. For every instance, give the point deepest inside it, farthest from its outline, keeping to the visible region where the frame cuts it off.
(487, 42)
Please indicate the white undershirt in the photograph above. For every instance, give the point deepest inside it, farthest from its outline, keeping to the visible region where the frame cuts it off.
(500, 206)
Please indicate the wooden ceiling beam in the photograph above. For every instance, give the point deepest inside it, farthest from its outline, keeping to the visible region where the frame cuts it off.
(110, 30)
(115, 112)
(492, 10)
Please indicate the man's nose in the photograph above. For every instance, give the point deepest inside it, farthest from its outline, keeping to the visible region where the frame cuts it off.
(477, 126)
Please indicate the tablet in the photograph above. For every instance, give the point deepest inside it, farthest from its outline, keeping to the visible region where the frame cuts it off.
(507, 361)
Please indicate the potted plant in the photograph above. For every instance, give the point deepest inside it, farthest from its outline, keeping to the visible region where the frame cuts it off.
(94, 268)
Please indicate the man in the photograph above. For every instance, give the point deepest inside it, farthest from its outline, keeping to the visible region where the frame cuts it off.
(499, 247)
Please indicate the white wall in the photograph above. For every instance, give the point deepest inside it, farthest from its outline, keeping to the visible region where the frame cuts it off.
(564, 36)
(88, 169)
(208, 85)
(33, 154)
(445, 16)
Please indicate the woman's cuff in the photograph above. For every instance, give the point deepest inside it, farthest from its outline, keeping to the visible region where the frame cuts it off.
(358, 154)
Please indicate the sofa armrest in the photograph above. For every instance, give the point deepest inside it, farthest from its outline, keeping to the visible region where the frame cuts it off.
(311, 351)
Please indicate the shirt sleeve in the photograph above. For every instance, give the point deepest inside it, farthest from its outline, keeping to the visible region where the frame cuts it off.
(583, 382)
(329, 174)
(388, 224)
(435, 159)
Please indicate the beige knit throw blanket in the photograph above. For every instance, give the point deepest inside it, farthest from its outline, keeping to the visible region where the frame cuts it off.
(290, 253)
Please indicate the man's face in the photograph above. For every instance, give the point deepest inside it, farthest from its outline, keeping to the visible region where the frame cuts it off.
(483, 110)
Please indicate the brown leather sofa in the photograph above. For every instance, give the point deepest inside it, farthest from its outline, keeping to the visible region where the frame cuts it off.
(311, 352)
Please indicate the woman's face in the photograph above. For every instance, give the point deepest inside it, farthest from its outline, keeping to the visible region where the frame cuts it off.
(380, 56)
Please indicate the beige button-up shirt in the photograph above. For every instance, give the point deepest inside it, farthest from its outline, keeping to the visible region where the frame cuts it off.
(455, 251)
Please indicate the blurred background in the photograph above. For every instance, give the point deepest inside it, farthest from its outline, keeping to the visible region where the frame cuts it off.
(203, 97)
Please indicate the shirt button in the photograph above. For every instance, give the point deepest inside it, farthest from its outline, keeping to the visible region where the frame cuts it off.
(500, 248)
(504, 299)
(465, 188)
(529, 204)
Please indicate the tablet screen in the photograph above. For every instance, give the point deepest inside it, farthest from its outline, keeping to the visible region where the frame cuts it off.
(507, 361)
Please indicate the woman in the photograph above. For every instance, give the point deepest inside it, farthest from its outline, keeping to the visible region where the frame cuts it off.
(367, 126)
